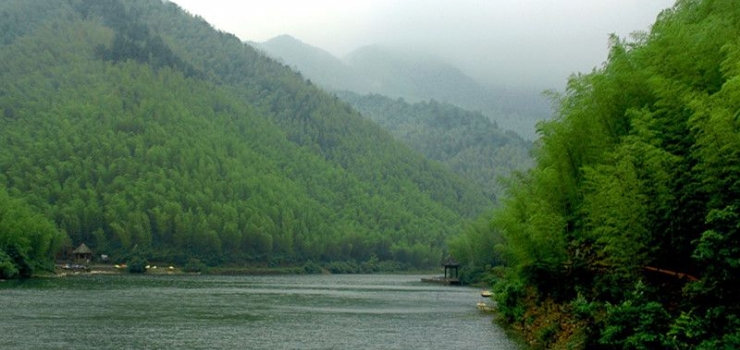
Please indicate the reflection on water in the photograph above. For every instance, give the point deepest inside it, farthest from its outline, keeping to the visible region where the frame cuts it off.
(243, 312)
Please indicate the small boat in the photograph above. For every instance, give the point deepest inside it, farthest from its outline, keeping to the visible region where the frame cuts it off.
(484, 307)
(486, 293)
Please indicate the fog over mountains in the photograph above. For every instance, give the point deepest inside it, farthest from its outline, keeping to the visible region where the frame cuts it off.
(415, 77)
(536, 43)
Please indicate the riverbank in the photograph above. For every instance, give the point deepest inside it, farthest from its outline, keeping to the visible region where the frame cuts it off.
(63, 270)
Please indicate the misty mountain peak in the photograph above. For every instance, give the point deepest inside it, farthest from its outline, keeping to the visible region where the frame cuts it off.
(411, 74)
(284, 39)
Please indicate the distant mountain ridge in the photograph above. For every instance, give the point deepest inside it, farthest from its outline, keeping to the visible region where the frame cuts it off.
(314, 63)
(411, 76)
(467, 142)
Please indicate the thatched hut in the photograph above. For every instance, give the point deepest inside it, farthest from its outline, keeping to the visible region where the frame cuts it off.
(82, 253)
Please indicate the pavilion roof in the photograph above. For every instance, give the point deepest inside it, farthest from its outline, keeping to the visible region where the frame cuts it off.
(82, 249)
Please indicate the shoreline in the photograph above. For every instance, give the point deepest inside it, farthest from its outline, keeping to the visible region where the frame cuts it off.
(105, 269)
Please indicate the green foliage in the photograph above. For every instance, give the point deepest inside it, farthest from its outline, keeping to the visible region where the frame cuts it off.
(713, 321)
(137, 264)
(510, 295)
(28, 241)
(195, 266)
(690, 331)
(636, 323)
(640, 170)
(719, 248)
(371, 265)
(312, 268)
(340, 267)
(8, 269)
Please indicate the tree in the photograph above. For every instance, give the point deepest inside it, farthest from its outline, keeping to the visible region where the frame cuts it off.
(28, 241)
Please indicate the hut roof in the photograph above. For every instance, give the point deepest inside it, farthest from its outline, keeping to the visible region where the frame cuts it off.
(450, 262)
(82, 249)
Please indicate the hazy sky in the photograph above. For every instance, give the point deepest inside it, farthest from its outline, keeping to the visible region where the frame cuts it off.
(536, 43)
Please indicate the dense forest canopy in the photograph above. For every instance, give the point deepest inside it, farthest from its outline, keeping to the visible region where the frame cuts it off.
(629, 224)
(133, 126)
(467, 142)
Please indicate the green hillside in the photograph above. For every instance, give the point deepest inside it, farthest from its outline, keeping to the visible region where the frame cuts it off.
(137, 128)
(626, 234)
(467, 142)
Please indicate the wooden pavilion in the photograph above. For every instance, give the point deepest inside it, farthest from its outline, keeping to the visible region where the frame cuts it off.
(452, 266)
(451, 277)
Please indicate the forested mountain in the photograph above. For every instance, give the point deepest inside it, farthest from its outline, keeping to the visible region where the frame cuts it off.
(626, 234)
(135, 127)
(314, 63)
(468, 142)
(414, 77)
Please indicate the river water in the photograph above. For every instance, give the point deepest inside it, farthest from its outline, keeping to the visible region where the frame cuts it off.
(243, 312)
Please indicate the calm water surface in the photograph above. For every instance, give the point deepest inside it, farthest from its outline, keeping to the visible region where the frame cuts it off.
(243, 312)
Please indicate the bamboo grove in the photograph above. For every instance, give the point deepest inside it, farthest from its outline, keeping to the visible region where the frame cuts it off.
(626, 235)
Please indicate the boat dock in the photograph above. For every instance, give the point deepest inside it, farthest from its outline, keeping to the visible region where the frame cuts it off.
(442, 280)
(449, 279)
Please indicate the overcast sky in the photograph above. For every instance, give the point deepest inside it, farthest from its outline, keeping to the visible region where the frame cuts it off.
(534, 43)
